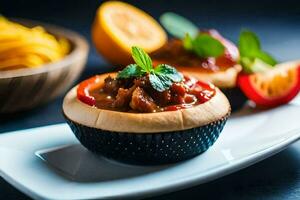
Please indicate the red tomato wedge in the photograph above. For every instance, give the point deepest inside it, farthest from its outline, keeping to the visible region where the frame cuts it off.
(274, 87)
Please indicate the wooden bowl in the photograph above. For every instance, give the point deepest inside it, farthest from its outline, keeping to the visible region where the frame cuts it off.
(23, 89)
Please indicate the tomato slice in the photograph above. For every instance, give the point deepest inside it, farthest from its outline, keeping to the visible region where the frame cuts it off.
(84, 88)
(274, 87)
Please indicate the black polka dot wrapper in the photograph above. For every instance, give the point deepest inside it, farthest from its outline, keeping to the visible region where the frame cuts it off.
(149, 148)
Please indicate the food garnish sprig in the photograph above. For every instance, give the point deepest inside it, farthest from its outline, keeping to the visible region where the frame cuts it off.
(202, 44)
(161, 77)
(252, 58)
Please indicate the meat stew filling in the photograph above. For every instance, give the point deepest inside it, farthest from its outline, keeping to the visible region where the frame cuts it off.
(137, 95)
(174, 53)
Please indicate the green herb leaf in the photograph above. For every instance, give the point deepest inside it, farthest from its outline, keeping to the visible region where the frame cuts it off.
(249, 47)
(205, 46)
(169, 72)
(160, 82)
(161, 78)
(248, 43)
(132, 70)
(142, 59)
(187, 42)
(178, 26)
(253, 58)
(202, 44)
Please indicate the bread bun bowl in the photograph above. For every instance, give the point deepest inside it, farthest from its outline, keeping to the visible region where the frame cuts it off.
(152, 138)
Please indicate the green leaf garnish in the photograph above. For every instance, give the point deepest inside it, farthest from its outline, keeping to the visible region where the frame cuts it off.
(141, 58)
(253, 58)
(132, 70)
(160, 82)
(168, 71)
(205, 46)
(187, 42)
(178, 26)
(161, 77)
(201, 44)
(248, 44)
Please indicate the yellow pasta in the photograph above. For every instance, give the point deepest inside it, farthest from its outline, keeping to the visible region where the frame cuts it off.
(23, 47)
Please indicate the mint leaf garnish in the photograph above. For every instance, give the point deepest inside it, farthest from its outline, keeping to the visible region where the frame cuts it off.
(253, 58)
(206, 46)
(178, 26)
(168, 71)
(160, 82)
(161, 77)
(203, 45)
(132, 70)
(141, 58)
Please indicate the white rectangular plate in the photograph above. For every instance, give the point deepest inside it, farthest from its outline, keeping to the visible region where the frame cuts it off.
(48, 162)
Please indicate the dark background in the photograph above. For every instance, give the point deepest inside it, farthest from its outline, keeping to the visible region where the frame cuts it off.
(277, 24)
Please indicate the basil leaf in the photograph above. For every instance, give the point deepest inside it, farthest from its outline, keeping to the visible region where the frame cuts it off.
(132, 70)
(142, 59)
(160, 82)
(248, 43)
(249, 46)
(187, 42)
(205, 46)
(169, 72)
(178, 26)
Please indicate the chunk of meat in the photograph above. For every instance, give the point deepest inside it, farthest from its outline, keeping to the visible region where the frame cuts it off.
(161, 98)
(123, 97)
(141, 101)
(111, 85)
(142, 82)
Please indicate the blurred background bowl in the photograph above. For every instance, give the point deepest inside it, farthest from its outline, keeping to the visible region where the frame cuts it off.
(23, 89)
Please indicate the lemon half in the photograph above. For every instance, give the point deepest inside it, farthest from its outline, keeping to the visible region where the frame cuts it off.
(118, 26)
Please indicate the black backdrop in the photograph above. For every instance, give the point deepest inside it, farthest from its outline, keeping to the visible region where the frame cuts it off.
(276, 22)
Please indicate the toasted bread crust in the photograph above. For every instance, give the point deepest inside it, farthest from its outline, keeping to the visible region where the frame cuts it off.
(222, 79)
